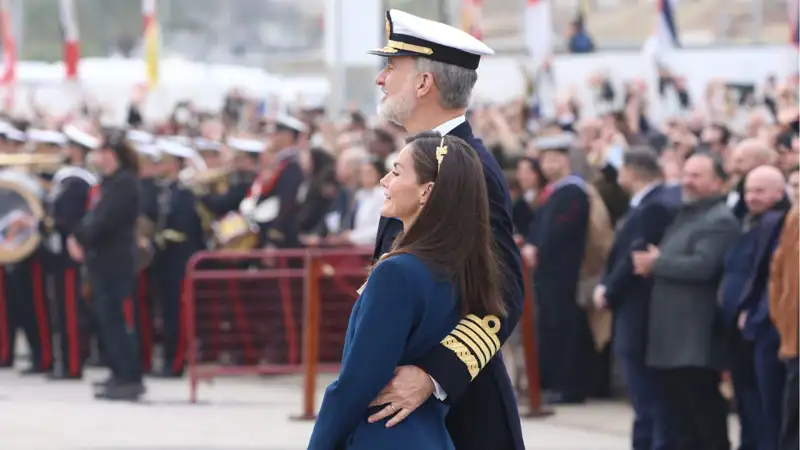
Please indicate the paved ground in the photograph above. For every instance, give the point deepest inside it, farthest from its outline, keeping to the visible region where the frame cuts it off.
(233, 414)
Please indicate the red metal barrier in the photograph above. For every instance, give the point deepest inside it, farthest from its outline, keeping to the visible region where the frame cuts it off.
(315, 293)
(246, 311)
(530, 344)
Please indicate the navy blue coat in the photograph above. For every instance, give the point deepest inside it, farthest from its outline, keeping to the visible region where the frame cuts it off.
(405, 309)
(744, 284)
(484, 408)
(628, 295)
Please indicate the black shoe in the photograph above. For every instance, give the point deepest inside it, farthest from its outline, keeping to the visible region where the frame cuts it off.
(123, 391)
(103, 383)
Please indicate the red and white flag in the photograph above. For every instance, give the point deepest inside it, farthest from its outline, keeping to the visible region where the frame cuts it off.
(472, 17)
(148, 13)
(71, 38)
(8, 74)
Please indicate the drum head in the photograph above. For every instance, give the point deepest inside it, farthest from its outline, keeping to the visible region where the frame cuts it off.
(20, 213)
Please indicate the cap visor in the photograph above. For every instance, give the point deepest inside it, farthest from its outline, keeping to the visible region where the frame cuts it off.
(388, 52)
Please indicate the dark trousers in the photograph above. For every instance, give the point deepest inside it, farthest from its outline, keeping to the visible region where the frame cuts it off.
(745, 388)
(67, 284)
(791, 397)
(770, 378)
(111, 298)
(696, 410)
(650, 426)
(144, 319)
(565, 346)
(26, 290)
(8, 322)
(170, 291)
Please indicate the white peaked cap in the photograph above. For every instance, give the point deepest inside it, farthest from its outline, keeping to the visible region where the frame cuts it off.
(80, 137)
(46, 137)
(410, 35)
(246, 145)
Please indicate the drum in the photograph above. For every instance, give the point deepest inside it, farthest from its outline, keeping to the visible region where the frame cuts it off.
(234, 232)
(20, 214)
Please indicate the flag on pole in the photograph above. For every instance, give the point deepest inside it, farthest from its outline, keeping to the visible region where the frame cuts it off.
(151, 41)
(583, 10)
(8, 74)
(794, 28)
(472, 17)
(539, 31)
(71, 38)
(665, 36)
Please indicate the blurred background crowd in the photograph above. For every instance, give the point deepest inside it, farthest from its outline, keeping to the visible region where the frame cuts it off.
(618, 117)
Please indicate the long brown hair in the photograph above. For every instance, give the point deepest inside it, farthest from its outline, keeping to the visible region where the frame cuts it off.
(116, 140)
(452, 232)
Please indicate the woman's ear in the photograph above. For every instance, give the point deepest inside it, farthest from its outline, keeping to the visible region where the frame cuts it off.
(426, 193)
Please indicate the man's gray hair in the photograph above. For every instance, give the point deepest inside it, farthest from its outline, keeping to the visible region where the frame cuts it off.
(455, 83)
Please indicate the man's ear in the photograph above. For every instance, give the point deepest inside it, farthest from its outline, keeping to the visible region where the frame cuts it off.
(424, 84)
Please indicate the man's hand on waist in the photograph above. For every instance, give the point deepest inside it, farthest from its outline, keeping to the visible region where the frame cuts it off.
(406, 392)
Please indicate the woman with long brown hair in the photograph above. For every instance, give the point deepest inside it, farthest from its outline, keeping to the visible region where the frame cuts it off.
(441, 267)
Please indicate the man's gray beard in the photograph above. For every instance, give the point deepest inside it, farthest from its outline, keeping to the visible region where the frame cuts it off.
(392, 112)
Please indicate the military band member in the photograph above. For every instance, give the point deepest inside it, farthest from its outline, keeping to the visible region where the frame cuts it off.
(210, 151)
(272, 200)
(179, 235)
(13, 277)
(67, 203)
(150, 173)
(32, 306)
(443, 61)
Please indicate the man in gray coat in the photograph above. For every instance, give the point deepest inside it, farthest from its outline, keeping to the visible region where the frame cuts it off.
(686, 341)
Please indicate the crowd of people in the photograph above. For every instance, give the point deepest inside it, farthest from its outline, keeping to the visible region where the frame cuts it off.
(668, 249)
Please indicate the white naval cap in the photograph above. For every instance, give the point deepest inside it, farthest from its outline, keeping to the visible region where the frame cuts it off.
(561, 142)
(207, 145)
(409, 35)
(151, 151)
(139, 137)
(283, 120)
(179, 150)
(46, 137)
(80, 137)
(13, 134)
(246, 145)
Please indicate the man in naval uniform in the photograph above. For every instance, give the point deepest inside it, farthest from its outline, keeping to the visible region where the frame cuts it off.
(427, 83)
(179, 235)
(246, 153)
(67, 203)
(272, 200)
(16, 279)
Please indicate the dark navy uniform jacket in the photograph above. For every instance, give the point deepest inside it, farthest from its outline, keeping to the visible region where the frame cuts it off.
(404, 310)
(68, 203)
(484, 413)
(282, 231)
(238, 187)
(628, 295)
(107, 232)
(179, 233)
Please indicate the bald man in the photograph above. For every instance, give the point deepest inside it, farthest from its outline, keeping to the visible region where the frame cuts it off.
(749, 154)
(757, 373)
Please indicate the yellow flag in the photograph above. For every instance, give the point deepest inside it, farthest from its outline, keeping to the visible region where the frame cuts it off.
(151, 47)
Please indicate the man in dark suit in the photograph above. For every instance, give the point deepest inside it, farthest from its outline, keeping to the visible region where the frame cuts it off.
(427, 86)
(756, 371)
(628, 295)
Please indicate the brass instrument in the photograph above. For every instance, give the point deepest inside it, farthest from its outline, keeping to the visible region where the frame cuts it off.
(203, 182)
(32, 159)
(21, 211)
